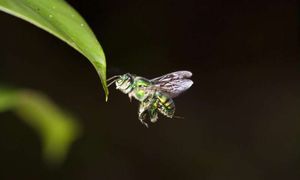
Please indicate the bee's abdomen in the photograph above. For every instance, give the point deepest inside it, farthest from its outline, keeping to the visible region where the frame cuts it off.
(166, 105)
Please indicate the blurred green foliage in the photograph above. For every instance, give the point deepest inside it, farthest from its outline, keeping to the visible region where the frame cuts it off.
(56, 128)
(60, 19)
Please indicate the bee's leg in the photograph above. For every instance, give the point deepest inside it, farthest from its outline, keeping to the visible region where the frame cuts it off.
(144, 109)
(143, 113)
(130, 96)
(153, 111)
(142, 118)
(153, 114)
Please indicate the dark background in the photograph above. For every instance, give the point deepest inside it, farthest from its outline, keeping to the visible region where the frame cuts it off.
(242, 118)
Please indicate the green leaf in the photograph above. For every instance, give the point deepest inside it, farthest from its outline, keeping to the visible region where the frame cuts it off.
(60, 19)
(56, 128)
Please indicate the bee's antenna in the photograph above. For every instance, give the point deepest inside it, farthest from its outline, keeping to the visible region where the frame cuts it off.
(113, 77)
(111, 82)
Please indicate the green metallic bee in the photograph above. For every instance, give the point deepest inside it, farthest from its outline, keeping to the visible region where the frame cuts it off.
(156, 94)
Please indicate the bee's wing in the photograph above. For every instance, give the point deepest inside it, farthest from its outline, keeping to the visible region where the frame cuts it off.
(172, 76)
(174, 83)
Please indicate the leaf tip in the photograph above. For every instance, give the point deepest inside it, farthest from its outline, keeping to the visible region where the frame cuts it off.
(106, 94)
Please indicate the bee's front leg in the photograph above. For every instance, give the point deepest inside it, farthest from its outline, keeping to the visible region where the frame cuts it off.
(130, 96)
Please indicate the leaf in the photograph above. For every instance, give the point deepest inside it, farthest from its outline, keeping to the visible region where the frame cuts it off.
(60, 19)
(56, 128)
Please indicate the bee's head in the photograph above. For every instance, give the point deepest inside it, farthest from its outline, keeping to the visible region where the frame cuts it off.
(124, 82)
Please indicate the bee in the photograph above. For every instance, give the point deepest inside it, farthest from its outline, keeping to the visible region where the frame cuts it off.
(155, 95)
